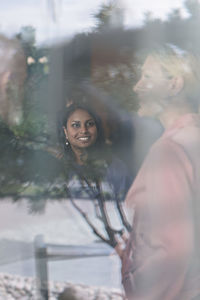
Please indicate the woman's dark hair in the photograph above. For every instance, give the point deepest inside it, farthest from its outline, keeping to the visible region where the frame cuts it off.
(63, 118)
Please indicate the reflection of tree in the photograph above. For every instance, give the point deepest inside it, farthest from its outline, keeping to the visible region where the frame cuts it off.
(193, 8)
(182, 31)
(106, 59)
(27, 169)
(91, 179)
(109, 16)
(34, 122)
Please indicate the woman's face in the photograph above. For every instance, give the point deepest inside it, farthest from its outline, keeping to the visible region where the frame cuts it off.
(81, 130)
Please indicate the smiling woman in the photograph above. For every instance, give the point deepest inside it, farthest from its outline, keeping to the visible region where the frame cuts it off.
(80, 131)
(87, 158)
(83, 133)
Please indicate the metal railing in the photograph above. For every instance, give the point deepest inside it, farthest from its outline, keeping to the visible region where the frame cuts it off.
(45, 252)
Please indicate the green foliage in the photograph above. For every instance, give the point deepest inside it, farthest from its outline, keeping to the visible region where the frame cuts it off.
(34, 123)
(108, 16)
(193, 8)
(27, 168)
(106, 57)
(22, 166)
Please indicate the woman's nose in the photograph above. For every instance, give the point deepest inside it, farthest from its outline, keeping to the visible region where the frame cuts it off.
(84, 128)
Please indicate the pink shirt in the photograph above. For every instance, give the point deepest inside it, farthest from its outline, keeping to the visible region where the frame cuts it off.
(161, 261)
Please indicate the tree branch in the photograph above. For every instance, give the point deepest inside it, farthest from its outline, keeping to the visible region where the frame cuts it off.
(85, 216)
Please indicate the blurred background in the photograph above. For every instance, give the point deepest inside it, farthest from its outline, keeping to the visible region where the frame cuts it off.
(53, 51)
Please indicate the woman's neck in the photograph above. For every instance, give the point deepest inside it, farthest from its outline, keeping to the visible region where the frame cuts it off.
(81, 155)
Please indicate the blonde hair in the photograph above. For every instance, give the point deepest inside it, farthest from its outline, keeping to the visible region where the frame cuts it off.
(177, 62)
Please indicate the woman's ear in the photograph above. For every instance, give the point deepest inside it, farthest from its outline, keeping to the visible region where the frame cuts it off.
(176, 85)
(65, 131)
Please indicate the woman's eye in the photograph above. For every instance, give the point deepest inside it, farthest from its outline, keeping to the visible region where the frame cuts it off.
(90, 124)
(75, 125)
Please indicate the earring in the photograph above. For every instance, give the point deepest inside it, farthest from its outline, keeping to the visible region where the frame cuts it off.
(66, 141)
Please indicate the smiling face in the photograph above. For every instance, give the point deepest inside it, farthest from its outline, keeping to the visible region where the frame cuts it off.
(80, 130)
(153, 88)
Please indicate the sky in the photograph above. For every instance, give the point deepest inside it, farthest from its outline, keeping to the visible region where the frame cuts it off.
(73, 16)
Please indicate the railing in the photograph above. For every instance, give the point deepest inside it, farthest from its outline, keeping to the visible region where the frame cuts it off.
(45, 252)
